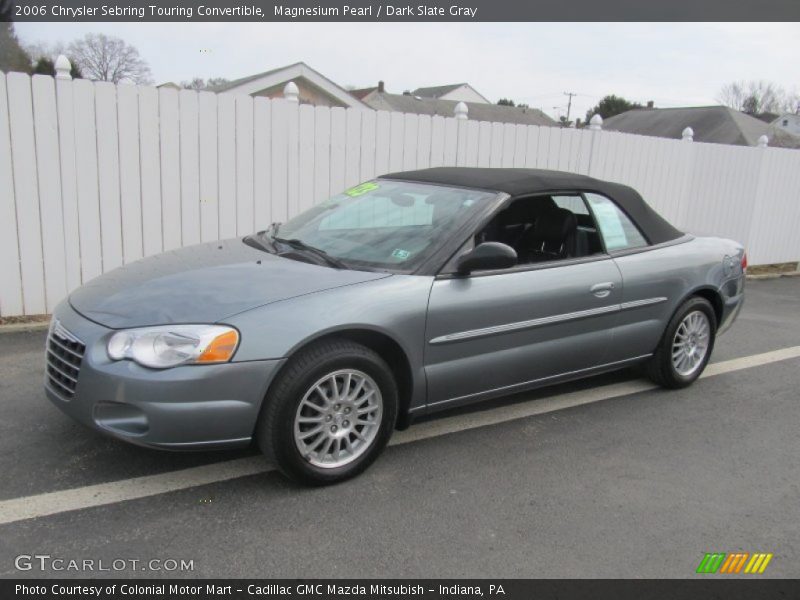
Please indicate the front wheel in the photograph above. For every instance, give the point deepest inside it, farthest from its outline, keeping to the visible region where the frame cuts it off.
(687, 344)
(330, 412)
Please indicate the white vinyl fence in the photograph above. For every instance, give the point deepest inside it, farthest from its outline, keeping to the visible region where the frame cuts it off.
(96, 175)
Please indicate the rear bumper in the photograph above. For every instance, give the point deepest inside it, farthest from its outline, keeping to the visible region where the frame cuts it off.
(189, 407)
(732, 302)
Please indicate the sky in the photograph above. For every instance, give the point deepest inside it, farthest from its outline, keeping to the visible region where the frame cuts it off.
(673, 64)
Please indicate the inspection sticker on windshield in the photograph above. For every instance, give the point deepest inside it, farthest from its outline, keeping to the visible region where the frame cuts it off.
(361, 189)
(401, 254)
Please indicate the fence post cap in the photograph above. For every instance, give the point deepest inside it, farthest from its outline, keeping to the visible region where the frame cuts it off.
(63, 67)
(687, 135)
(596, 123)
(461, 110)
(763, 141)
(291, 92)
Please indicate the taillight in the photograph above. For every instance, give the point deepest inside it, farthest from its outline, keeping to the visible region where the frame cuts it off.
(744, 262)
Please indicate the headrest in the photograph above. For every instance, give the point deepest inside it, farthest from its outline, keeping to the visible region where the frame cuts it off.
(402, 199)
(555, 225)
(526, 210)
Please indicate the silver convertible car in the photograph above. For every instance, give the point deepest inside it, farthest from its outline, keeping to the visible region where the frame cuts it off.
(408, 294)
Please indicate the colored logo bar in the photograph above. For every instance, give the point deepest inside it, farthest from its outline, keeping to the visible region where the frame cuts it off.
(733, 563)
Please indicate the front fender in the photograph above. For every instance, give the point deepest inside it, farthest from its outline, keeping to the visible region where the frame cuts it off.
(395, 307)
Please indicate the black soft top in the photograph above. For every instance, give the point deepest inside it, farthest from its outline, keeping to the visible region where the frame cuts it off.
(522, 182)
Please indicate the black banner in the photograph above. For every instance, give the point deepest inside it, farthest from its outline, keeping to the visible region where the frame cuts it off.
(425, 589)
(381, 10)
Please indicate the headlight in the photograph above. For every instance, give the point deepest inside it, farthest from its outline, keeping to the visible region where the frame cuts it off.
(173, 345)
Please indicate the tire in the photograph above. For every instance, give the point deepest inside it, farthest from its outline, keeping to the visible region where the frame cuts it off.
(320, 388)
(661, 367)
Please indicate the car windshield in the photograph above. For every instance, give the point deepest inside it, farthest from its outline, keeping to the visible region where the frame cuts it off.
(382, 224)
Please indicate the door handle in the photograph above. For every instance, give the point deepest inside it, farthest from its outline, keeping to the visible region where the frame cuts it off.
(601, 290)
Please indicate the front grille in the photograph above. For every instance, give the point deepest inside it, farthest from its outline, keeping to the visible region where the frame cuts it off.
(64, 356)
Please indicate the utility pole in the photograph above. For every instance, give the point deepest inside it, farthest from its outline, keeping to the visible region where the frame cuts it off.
(569, 104)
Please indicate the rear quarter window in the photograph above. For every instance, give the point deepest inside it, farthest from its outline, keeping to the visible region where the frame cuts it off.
(618, 231)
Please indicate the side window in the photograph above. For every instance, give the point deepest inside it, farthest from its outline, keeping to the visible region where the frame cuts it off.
(574, 204)
(545, 228)
(618, 232)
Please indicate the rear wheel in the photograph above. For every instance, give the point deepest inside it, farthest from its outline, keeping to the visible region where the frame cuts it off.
(329, 413)
(687, 344)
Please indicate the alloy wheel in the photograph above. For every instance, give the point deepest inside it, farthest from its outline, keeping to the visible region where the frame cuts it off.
(690, 344)
(338, 418)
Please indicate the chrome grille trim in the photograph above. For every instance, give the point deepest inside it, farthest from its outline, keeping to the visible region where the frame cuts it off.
(52, 364)
(66, 391)
(54, 339)
(64, 356)
(59, 330)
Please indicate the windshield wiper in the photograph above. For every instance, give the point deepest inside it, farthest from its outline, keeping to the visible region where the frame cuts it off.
(303, 247)
(263, 240)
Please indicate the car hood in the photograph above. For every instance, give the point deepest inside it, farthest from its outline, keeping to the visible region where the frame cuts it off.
(202, 284)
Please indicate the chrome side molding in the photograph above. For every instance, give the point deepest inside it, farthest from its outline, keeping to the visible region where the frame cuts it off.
(541, 322)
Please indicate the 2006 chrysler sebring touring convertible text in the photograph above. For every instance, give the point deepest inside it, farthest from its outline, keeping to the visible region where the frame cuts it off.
(410, 293)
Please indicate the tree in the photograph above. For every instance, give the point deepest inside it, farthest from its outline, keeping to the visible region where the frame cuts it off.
(12, 55)
(611, 105)
(49, 50)
(198, 83)
(510, 102)
(757, 97)
(105, 58)
(46, 66)
(43, 56)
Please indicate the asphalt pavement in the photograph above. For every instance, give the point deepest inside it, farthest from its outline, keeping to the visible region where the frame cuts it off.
(634, 485)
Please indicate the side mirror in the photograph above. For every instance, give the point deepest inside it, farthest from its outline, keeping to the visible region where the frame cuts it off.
(488, 255)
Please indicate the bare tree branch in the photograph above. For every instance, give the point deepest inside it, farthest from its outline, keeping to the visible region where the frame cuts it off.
(757, 97)
(104, 58)
(199, 84)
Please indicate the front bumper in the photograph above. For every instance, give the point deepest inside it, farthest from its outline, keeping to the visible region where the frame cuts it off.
(187, 407)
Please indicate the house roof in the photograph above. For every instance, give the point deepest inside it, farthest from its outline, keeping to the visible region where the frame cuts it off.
(360, 93)
(780, 118)
(436, 91)
(518, 182)
(253, 84)
(243, 80)
(714, 124)
(477, 111)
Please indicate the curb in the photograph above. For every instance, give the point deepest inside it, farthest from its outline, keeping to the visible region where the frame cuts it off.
(773, 275)
(24, 327)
